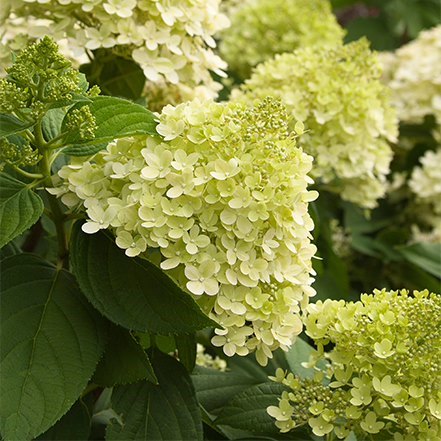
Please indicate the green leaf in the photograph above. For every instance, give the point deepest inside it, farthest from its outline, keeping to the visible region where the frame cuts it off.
(75, 425)
(131, 292)
(299, 353)
(214, 389)
(115, 118)
(51, 342)
(20, 208)
(424, 255)
(186, 346)
(51, 123)
(118, 76)
(124, 361)
(247, 411)
(10, 125)
(168, 411)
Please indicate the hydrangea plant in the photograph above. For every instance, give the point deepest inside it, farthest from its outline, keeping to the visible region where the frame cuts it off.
(384, 369)
(337, 94)
(172, 41)
(262, 28)
(412, 73)
(223, 195)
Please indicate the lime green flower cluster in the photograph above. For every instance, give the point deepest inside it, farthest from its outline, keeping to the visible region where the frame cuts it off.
(206, 360)
(385, 368)
(413, 74)
(262, 28)
(337, 94)
(171, 40)
(223, 195)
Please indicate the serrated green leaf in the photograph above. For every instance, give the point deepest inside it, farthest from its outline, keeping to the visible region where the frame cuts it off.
(165, 412)
(131, 292)
(51, 342)
(214, 389)
(424, 255)
(247, 411)
(186, 346)
(124, 361)
(115, 118)
(10, 125)
(51, 123)
(20, 208)
(74, 426)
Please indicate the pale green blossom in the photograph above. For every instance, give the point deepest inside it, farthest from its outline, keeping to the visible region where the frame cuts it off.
(206, 360)
(227, 208)
(413, 73)
(262, 28)
(171, 40)
(345, 110)
(384, 369)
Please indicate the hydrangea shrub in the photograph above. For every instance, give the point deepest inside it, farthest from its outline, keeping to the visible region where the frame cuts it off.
(384, 369)
(172, 41)
(262, 28)
(336, 93)
(222, 193)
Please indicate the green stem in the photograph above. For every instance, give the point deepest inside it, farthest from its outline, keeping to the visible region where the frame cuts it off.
(27, 174)
(56, 213)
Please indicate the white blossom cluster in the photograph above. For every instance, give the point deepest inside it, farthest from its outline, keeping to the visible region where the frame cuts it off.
(262, 28)
(223, 196)
(336, 92)
(425, 183)
(206, 360)
(413, 73)
(171, 40)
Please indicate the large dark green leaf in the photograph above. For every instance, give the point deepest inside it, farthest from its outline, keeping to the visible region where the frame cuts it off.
(247, 411)
(425, 255)
(124, 361)
(115, 118)
(20, 208)
(129, 291)
(117, 76)
(9, 125)
(74, 426)
(186, 346)
(51, 342)
(165, 412)
(214, 388)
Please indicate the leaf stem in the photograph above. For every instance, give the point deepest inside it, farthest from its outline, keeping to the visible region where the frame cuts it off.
(56, 213)
(27, 174)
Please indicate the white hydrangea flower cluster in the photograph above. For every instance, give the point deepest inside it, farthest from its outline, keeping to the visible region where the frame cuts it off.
(223, 195)
(171, 40)
(413, 73)
(425, 183)
(206, 360)
(262, 28)
(336, 92)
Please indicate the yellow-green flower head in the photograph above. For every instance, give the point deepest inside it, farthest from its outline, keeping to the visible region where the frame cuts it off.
(425, 181)
(413, 73)
(386, 361)
(337, 94)
(223, 195)
(171, 40)
(262, 28)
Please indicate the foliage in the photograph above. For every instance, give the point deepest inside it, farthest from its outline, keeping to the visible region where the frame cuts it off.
(140, 251)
